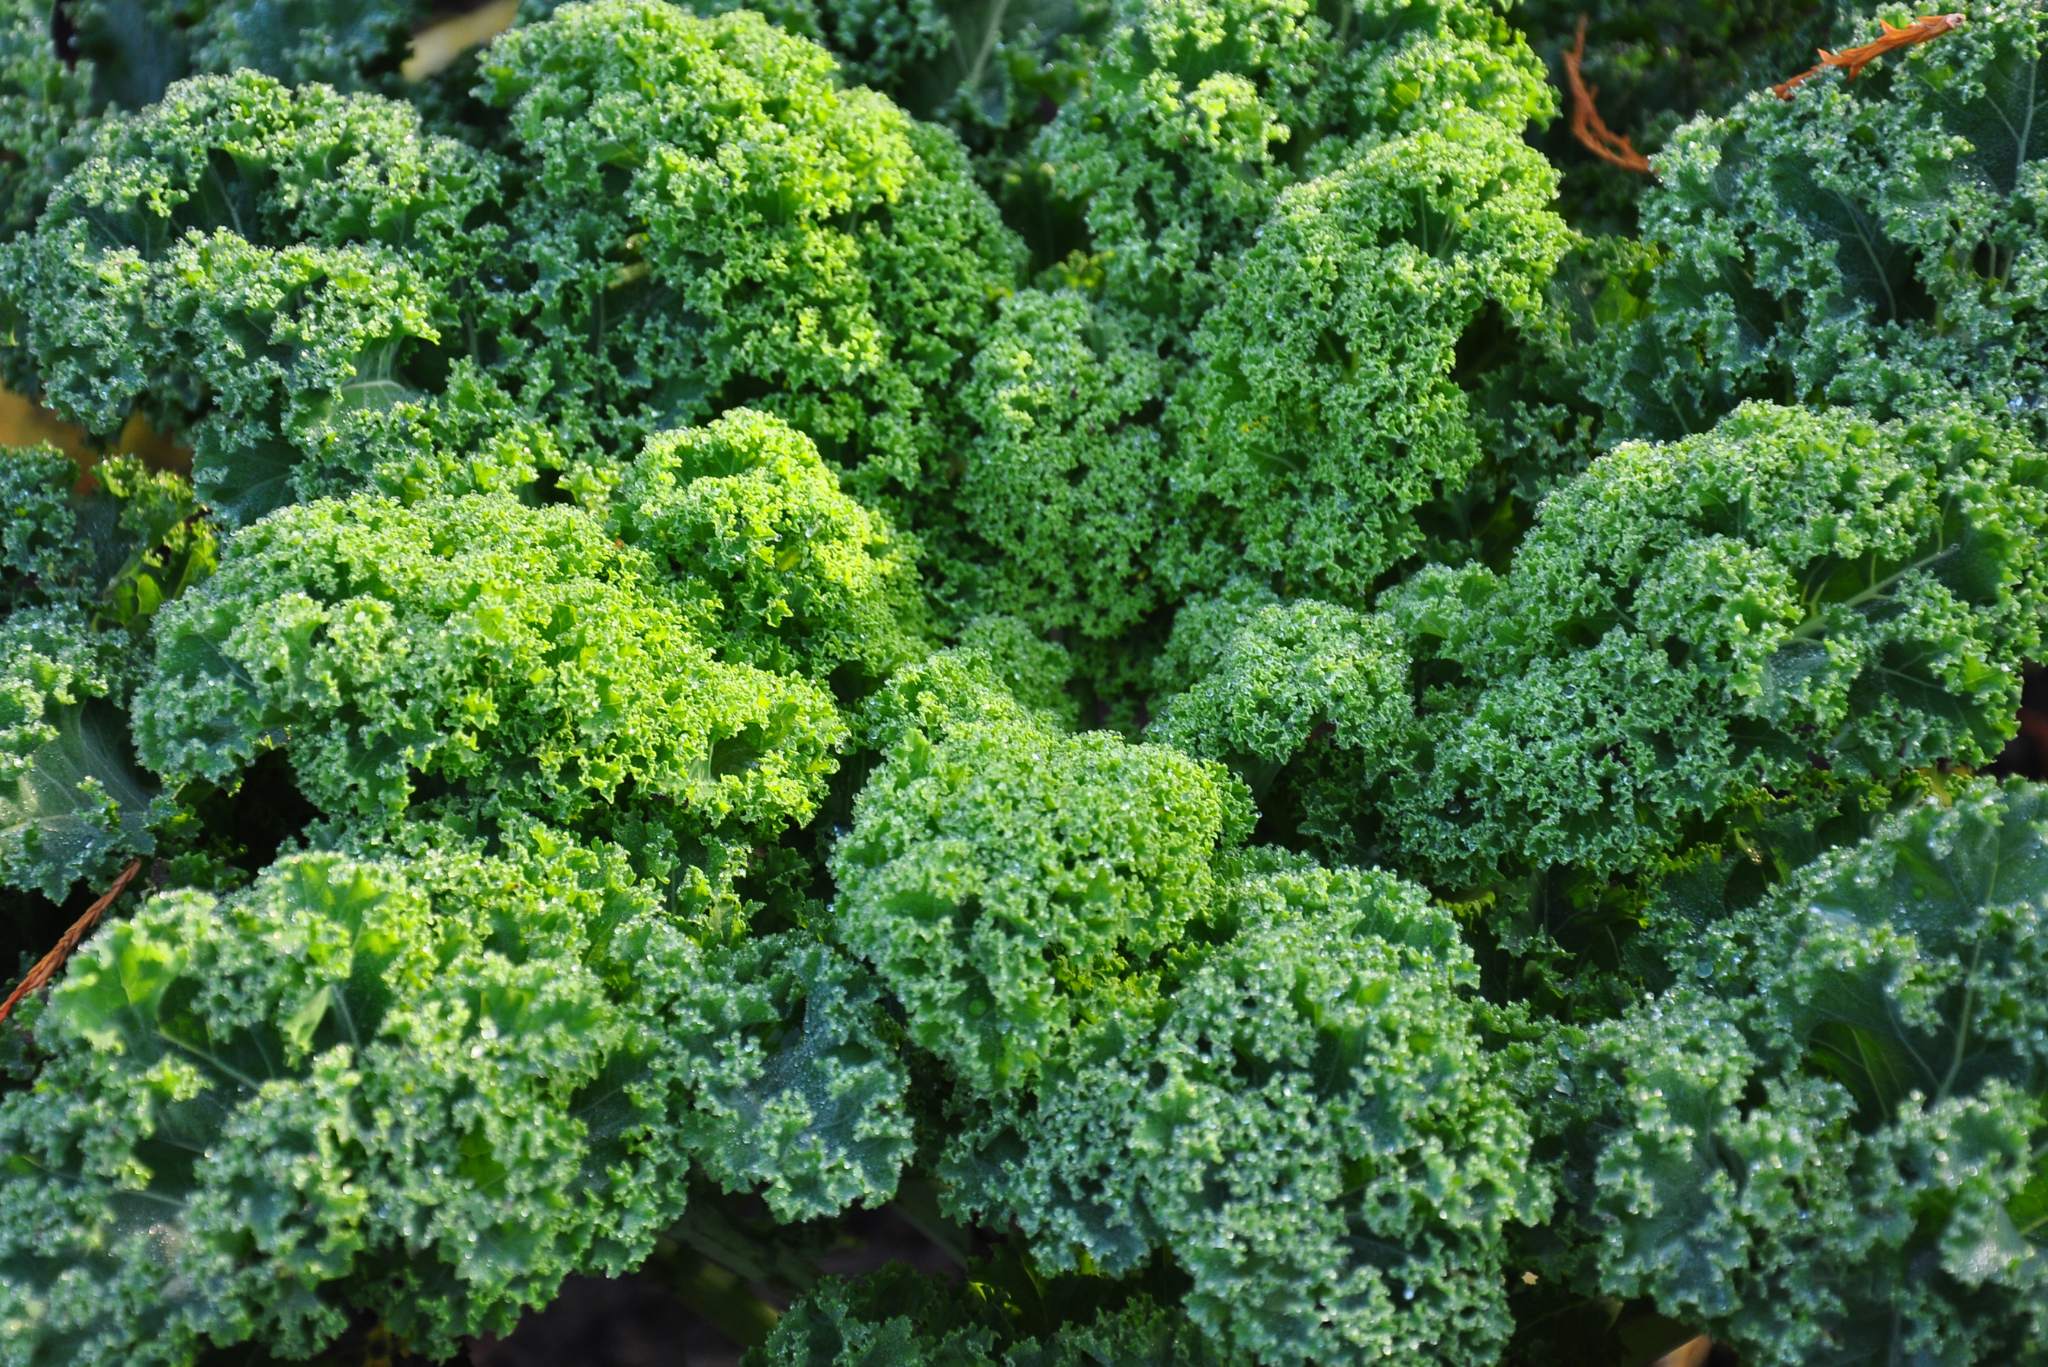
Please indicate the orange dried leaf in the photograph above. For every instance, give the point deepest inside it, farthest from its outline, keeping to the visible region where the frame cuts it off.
(1587, 126)
(1890, 39)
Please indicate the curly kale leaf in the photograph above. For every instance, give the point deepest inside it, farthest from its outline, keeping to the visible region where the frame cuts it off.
(708, 219)
(134, 50)
(981, 67)
(1905, 966)
(1009, 882)
(1875, 243)
(253, 266)
(998, 672)
(1304, 701)
(81, 574)
(422, 1083)
(1196, 114)
(43, 101)
(40, 552)
(1311, 1131)
(789, 1059)
(117, 548)
(1142, 1330)
(480, 653)
(787, 572)
(148, 538)
(1324, 407)
(1066, 470)
(769, 1062)
(73, 801)
(310, 288)
(1762, 617)
(60, 75)
(321, 1091)
(1829, 1146)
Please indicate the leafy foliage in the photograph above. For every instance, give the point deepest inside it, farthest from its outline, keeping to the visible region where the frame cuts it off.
(1323, 410)
(272, 1081)
(1002, 877)
(64, 67)
(41, 101)
(40, 538)
(1066, 472)
(1306, 701)
(781, 568)
(303, 326)
(81, 573)
(1758, 616)
(255, 266)
(1872, 243)
(708, 218)
(999, 672)
(1829, 1146)
(1201, 112)
(1203, 676)
(426, 1089)
(1307, 1125)
(796, 1086)
(117, 543)
(985, 69)
(73, 802)
(478, 655)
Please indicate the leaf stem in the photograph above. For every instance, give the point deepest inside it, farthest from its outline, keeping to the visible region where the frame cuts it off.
(47, 966)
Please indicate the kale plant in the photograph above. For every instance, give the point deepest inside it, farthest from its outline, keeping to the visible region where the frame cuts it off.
(1048, 684)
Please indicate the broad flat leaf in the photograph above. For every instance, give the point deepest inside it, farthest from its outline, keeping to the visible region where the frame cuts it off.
(136, 47)
(1913, 962)
(971, 74)
(239, 480)
(81, 805)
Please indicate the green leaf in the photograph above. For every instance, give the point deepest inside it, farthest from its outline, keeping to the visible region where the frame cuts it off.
(81, 805)
(136, 48)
